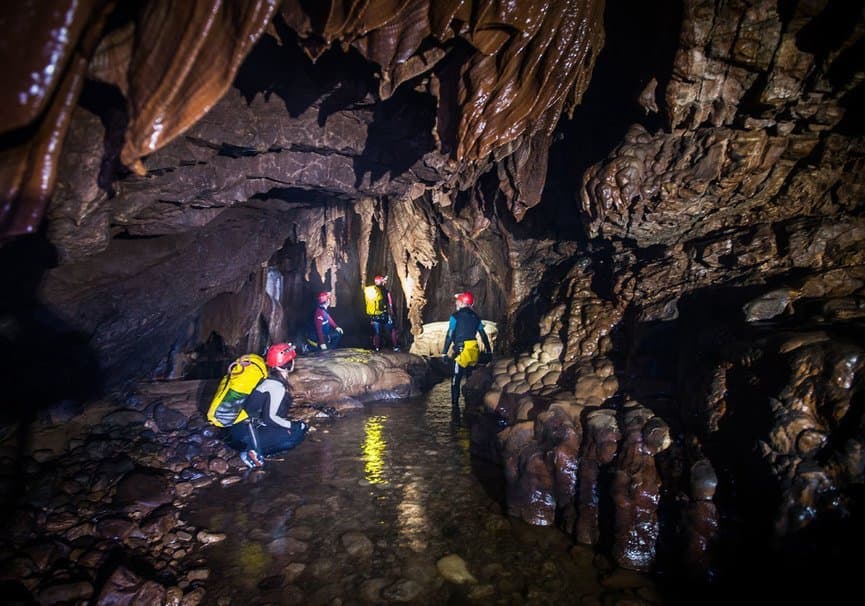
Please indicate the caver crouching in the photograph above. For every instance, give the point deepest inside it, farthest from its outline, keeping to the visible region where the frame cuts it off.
(248, 401)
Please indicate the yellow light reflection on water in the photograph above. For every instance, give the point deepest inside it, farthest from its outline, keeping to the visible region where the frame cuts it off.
(373, 448)
(253, 560)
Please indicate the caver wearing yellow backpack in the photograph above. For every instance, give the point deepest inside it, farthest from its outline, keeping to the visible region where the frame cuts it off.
(379, 309)
(247, 402)
(244, 375)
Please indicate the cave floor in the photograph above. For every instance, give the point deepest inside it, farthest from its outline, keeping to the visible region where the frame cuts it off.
(362, 511)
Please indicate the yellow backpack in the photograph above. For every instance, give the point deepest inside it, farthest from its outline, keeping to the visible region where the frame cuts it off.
(244, 375)
(375, 303)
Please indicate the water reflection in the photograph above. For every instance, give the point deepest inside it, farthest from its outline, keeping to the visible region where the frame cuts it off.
(253, 560)
(373, 449)
(412, 518)
(361, 512)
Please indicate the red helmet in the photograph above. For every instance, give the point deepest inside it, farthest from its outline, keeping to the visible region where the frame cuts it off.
(379, 280)
(323, 297)
(466, 298)
(280, 355)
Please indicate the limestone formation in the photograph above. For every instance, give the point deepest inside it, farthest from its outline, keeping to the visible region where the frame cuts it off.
(658, 203)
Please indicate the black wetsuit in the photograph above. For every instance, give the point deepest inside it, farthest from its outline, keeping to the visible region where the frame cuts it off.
(464, 326)
(266, 431)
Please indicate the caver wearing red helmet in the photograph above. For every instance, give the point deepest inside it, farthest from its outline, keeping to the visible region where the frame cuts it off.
(463, 328)
(255, 426)
(466, 298)
(323, 332)
(281, 355)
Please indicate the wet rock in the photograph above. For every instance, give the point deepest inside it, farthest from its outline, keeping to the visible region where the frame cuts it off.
(122, 418)
(118, 529)
(205, 537)
(198, 574)
(292, 595)
(65, 593)
(701, 524)
(403, 590)
(173, 596)
(194, 597)
(61, 521)
(143, 491)
(190, 474)
(600, 441)
(768, 305)
(124, 587)
(453, 568)
(704, 480)
(293, 571)
(370, 590)
(357, 545)
(635, 489)
(481, 592)
(321, 568)
(187, 450)
(353, 375)
(45, 552)
(302, 533)
(287, 546)
(80, 530)
(308, 511)
(160, 522)
(168, 419)
(95, 556)
(529, 476)
(421, 570)
(218, 465)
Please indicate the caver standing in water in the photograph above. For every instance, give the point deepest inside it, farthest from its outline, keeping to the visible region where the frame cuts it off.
(463, 328)
(248, 401)
(324, 332)
(379, 309)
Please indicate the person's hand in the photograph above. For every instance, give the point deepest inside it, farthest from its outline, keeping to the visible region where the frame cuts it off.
(323, 347)
(339, 330)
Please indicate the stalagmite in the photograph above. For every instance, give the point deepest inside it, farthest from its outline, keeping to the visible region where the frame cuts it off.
(636, 487)
(600, 441)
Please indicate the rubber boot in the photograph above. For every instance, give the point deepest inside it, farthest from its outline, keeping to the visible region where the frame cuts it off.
(376, 342)
(455, 414)
(455, 403)
(393, 339)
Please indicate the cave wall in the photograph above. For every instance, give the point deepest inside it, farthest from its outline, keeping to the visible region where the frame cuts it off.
(696, 378)
(377, 121)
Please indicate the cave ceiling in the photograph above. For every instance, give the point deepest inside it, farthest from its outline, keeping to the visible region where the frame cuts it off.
(573, 163)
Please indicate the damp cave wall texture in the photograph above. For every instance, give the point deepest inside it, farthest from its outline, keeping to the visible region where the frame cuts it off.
(661, 203)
